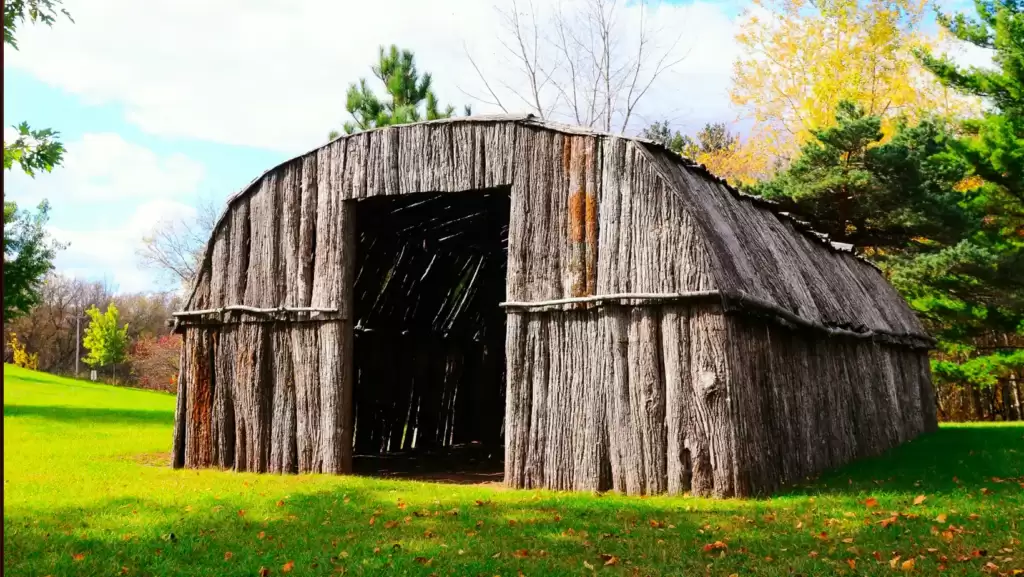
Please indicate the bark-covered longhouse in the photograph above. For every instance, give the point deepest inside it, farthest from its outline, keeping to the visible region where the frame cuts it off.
(616, 316)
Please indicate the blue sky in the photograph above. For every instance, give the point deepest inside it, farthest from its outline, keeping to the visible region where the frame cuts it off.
(166, 103)
(222, 170)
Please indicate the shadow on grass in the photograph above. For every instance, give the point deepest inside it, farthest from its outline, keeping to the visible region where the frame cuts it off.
(49, 379)
(331, 532)
(380, 527)
(87, 414)
(940, 462)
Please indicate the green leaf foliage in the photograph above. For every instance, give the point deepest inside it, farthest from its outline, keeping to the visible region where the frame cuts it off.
(28, 256)
(16, 12)
(33, 150)
(711, 138)
(106, 342)
(981, 371)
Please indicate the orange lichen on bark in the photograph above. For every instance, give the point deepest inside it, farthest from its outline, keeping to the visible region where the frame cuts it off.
(591, 255)
(198, 453)
(578, 215)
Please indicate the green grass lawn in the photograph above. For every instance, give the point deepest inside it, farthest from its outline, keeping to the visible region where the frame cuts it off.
(87, 491)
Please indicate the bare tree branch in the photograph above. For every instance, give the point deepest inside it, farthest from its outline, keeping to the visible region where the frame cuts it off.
(174, 247)
(497, 101)
(592, 62)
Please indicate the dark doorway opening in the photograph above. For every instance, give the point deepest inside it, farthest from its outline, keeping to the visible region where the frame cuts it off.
(429, 356)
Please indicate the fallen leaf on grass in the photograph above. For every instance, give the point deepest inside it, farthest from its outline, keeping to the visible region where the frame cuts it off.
(848, 540)
(799, 524)
(717, 545)
(261, 535)
(908, 565)
(852, 563)
(919, 499)
(990, 566)
(78, 556)
(390, 524)
(124, 570)
(986, 491)
(871, 502)
(373, 520)
(241, 512)
(609, 560)
(280, 503)
(264, 572)
(522, 553)
(889, 521)
(894, 561)
(823, 536)
(588, 565)
(813, 554)
(228, 555)
(287, 567)
(423, 561)
(941, 518)
(511, 522)
(974, 516)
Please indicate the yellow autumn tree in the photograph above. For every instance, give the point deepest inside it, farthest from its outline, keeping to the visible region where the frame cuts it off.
(802, 58)
(717, 147)
(739, 163)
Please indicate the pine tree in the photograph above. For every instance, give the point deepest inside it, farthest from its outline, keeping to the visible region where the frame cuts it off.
(994, 144)
(891, 197)
(409, 96)
(974, 291)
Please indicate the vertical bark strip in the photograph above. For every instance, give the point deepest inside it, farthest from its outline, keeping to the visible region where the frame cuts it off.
(253, 394)
(283, 447)
(223, 426)
(180, 416)
(199, 400)
(675, 342)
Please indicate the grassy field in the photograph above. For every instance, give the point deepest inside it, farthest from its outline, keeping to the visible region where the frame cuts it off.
(87, 491)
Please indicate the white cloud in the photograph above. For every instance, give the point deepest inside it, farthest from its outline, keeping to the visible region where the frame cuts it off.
(273, 73)
(103, 167)
(108, 194)
(111, 252)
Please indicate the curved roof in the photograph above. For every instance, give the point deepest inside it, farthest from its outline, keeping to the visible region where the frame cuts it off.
(761, 259)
